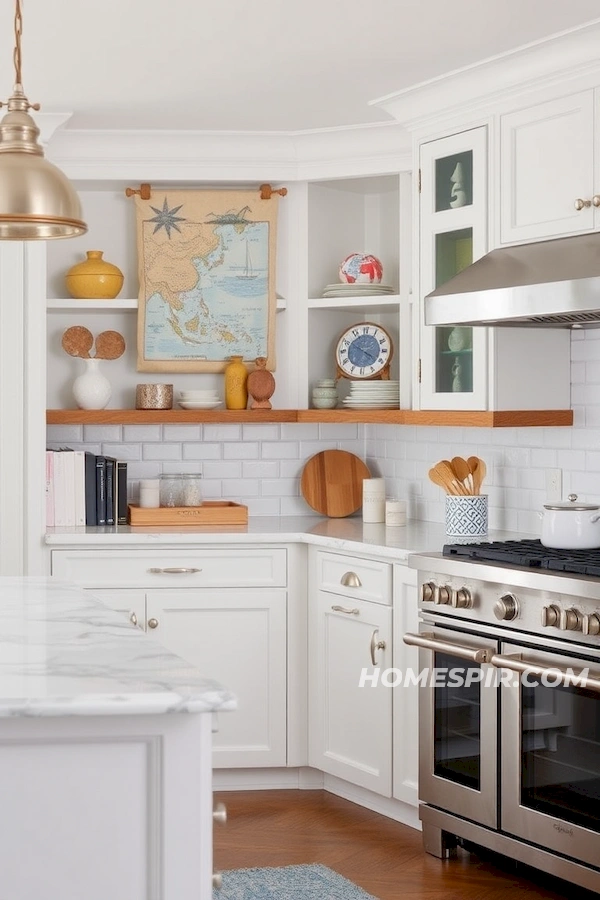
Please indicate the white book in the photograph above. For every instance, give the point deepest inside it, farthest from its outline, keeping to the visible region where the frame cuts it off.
(64, 488)
(49, 488)
(79, 484)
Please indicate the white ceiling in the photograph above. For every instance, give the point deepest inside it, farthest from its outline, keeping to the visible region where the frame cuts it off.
(266, 65)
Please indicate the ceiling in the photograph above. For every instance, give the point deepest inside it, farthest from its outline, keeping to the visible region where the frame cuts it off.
(266, 65)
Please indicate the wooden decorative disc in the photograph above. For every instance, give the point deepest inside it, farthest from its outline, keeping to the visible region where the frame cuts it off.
(332, 481)
(78, 341)
(110, 345)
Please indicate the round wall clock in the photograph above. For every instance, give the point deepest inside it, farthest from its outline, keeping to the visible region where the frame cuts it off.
(364, 350)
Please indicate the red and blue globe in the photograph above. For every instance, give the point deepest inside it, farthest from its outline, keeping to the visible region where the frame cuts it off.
(361, 268)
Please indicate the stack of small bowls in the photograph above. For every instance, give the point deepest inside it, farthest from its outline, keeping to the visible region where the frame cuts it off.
(208, 399)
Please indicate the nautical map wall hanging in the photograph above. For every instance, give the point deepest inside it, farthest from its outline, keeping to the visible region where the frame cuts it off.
(206, 263)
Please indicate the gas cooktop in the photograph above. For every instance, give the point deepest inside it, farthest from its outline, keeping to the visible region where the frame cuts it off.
(529, 554)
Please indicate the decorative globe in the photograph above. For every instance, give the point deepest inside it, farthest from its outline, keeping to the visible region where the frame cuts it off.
(361, 268)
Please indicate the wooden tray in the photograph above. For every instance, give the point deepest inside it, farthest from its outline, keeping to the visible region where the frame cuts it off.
(212, 512)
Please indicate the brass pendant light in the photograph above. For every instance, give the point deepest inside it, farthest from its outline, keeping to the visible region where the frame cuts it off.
(37, 201)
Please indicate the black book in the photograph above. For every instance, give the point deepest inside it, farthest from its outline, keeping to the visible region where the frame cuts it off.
(121, 492)
(101, 490)
(90, 488)
(111, 483)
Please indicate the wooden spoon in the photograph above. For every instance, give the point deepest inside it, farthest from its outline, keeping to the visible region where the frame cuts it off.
(78, 341)
(441, 480)
(445, 467)
(463, 472)
(478, 470)
(110, 345)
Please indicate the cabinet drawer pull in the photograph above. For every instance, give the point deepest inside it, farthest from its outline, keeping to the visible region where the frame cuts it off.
(133, 618)
(174, 570)
(152, 623)
(596, 200)
(350, 579)
(582, 204)
(349, 612)
(217, 881)
(376, 645)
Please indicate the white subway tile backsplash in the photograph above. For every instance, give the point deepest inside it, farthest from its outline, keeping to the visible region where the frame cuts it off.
(281, 450)
(221, 469)
(238, 488)
(245, 450)
(301, 431)
(261, 432)
(222, 432)
(92, 434)
(61, 434)
(260, 468)
(338, 432)
(123, 451)
(260, 506)
(202, 450)
(140, 433)
(183, 433)
(161, 451)
(280, 487)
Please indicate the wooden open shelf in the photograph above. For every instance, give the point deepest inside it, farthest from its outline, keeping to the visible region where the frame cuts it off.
(465, 418)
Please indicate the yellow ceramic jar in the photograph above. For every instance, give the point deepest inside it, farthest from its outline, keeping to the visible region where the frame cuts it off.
(236, 384)
(94, 278)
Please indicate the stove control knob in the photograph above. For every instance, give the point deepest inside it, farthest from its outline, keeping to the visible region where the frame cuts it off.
(442, 595)
(550, 615)
(591, 623)
(570, 620)
(506, 608)
(462, 599)
(427, 592)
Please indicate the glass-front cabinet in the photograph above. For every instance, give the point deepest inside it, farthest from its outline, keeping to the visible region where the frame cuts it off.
(453, 234)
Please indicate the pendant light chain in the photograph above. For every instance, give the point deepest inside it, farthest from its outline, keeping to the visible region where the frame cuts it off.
(18, 33)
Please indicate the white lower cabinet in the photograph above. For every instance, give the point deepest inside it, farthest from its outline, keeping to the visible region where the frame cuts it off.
(350, 727)
(227, 615)
(238, 638)
(405, 703)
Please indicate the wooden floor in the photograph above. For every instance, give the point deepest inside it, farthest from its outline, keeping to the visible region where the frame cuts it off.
(282, 828)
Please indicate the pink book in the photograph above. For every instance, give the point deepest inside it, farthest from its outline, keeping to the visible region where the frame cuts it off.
(49, 488)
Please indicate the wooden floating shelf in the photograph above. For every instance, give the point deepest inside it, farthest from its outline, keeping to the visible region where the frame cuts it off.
(465, 418)
(120, 304)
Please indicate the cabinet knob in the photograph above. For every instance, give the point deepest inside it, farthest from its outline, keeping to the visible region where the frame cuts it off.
(350, 579)
(220, 814)
(152, 623)
(570, 620)
(133, 618)
(550, 615)
(506, 608)
(591, 623)
(583, 204)
(217, 881)
(596, 200)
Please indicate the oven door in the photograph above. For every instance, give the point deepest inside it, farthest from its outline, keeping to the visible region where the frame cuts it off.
(550, 748)
(457, 723)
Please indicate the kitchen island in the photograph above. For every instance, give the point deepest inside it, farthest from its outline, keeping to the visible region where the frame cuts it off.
(105, 754)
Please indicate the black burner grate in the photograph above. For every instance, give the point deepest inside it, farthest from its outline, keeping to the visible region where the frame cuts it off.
(530, 555)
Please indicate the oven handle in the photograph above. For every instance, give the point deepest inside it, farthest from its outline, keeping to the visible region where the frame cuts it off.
(429, 642)
(518, 664)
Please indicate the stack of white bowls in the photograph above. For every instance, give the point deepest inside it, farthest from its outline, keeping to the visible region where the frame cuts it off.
(208, 399)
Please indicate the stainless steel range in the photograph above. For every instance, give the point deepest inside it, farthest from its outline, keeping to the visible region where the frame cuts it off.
(509, 710)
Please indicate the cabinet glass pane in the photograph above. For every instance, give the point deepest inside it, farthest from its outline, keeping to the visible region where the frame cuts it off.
(454, 181)
(453, 346)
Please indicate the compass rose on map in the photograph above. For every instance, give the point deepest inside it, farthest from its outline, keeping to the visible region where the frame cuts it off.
(166, 218)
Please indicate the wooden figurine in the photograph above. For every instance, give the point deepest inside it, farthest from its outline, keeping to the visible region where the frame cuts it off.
(261, 385)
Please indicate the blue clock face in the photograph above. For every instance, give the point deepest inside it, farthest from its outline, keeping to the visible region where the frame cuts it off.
(363, 351)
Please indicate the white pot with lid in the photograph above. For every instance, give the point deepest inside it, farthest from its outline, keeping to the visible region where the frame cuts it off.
(571, 525)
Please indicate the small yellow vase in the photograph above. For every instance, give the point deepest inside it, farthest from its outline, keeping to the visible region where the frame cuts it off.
(236, 384)
(94, 278)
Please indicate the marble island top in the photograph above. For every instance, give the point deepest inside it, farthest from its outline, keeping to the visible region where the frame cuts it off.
(64, 653)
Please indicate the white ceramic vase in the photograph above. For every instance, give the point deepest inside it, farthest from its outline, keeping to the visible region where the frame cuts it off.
(91, 389)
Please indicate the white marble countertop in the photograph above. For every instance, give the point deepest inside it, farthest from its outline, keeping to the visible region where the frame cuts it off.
(346, 534)
(64, 653)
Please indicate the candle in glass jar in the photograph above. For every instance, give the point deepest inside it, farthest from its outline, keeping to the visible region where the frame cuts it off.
(150, 493)
(191, 494)
(373, 509)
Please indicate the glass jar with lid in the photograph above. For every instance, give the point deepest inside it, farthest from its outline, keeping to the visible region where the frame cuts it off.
(180, 490)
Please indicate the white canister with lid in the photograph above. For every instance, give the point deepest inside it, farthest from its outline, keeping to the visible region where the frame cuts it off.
(571, 525)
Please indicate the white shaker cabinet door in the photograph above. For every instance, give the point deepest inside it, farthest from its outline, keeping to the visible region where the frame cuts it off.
(350, 727)
(237, 637)
(406, 700)
(546, 165)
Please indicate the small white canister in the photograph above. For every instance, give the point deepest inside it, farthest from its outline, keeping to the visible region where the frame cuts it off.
(373, 508)
(395, 513)
(150, 493)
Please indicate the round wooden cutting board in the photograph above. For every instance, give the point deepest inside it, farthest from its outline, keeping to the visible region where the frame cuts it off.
(332, 482)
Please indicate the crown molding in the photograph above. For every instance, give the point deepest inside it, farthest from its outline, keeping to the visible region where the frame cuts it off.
(138, 155)
(49, 123)
(556, 60)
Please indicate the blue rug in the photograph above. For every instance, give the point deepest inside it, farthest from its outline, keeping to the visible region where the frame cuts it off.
(312, 882)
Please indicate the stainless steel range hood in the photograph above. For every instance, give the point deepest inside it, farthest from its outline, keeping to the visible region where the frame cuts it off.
(548, 283)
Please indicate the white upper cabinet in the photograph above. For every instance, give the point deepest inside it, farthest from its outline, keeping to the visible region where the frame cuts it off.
(548, 182)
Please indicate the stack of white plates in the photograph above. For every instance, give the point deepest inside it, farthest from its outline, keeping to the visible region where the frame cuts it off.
(342, 289)
(199, 399)
(373, 395)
